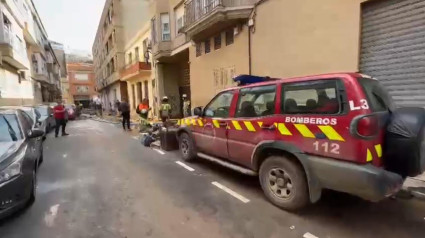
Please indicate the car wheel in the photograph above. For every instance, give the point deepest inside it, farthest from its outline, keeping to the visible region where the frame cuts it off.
(187, 148)
(34, 187)
(284, 183)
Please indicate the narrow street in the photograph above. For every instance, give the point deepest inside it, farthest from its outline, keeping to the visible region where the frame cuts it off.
(101, 182)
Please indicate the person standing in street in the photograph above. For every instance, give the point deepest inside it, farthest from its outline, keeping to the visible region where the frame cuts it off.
(59, 112)
(125, 113)
(165, 110)
(117, 107)
(186, 106)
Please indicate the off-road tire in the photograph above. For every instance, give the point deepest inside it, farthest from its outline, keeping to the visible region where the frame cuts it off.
(293, 176)
(187, 147)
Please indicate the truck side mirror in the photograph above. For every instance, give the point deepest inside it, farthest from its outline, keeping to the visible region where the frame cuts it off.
(197, 111)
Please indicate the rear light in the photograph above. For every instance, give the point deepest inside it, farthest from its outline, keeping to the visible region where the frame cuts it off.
(368, 126)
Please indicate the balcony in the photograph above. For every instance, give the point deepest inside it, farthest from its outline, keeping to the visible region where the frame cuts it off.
(13, 50)
(132, 70)
(206, 17)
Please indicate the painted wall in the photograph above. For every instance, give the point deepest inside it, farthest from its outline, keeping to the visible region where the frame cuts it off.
(210, 72)
(12, 92)
(295, 38)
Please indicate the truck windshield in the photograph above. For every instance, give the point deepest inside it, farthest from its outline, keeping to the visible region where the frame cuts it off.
(377, 96)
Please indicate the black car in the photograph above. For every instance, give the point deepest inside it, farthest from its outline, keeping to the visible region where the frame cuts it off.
(21, 152)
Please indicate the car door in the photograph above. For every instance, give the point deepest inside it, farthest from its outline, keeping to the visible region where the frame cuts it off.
(253, 122)
(35, 144)
(211, 138)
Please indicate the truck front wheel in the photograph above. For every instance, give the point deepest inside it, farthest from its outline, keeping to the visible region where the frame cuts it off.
(284, 183)
(187, 147)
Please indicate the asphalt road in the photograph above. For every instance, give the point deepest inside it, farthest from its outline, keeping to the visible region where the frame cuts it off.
(101, 182)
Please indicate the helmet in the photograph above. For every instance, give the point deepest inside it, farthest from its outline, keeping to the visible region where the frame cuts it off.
(165, 98)
(184, 96)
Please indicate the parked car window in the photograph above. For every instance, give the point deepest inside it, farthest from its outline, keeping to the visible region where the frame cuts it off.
(378, 98)
(44, 111)
(256, 101)
(220, 105)
(314, 97)
(29, 112)
(9, 128)
(28, 121)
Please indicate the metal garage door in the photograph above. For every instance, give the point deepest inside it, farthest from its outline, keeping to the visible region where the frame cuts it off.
(393, 48)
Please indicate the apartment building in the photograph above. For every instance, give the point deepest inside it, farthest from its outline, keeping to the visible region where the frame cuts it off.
(119, 20)
(29, 70)
(81, 80)
(282, 38)
(170, 53)
(59, 51)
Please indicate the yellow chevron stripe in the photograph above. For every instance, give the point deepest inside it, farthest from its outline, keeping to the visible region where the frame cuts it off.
(260, 123)
(303, 129)
(378, 149)
(236, 125)
(200, 123)
(178, 122)
(369, 156)
(194, 122)
(216, 124)
(283, 129)
(330, 132)
(249, 126)
(187, 122)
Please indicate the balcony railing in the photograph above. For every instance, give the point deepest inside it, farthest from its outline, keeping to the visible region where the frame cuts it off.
(196, 9)
(10, 38)
(134, 69)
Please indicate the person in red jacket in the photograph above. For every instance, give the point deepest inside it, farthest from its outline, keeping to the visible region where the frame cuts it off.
(59, 114)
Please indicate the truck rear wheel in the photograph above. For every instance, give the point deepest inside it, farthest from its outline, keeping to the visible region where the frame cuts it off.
(284, 183)
(187, 147)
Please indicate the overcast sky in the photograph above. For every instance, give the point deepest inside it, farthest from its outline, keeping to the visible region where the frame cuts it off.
(71, 22)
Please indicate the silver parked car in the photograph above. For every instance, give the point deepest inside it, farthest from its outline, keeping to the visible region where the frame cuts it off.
(46, 117)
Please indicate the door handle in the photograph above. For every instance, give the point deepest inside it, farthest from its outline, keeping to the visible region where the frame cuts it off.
(223, 124)
(268, 127)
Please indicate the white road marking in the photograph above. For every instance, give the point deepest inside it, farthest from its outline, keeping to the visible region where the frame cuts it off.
(49, 218)
(135, 137)
(65, 155)
(309, 235)
(231, 192)
(185, 166)
(159, 151)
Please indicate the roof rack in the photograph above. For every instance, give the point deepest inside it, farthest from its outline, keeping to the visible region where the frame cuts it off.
(245, 79)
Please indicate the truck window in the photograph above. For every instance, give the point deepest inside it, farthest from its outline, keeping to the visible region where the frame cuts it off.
(220, 105)
(313, 97)
(378, 98)
(256, 101)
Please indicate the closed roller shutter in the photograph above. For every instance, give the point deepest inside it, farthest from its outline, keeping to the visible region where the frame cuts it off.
(393, 48)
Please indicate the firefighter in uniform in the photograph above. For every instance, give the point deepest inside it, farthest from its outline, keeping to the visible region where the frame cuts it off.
(165, 109)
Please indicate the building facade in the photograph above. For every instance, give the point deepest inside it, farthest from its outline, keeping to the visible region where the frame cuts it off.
(282, 38)
(59, 51)
(118, 22)
(29, 69)
(81, 81)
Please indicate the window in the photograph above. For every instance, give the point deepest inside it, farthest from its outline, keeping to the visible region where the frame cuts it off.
(314, 97)
(153, 30)
(198, 49)
(82, 89)
(229, 37)
(130, 58)
(377, 96)
(256, 102)
(81, 77)
(28, 121)
(220, 105)
(207, 46)
(9, 128)
(179, 24)
(165, 27)
(217, 42)
(136, 54)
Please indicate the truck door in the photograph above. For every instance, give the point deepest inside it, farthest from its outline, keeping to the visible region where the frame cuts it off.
(252, 123)
(212, 137)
